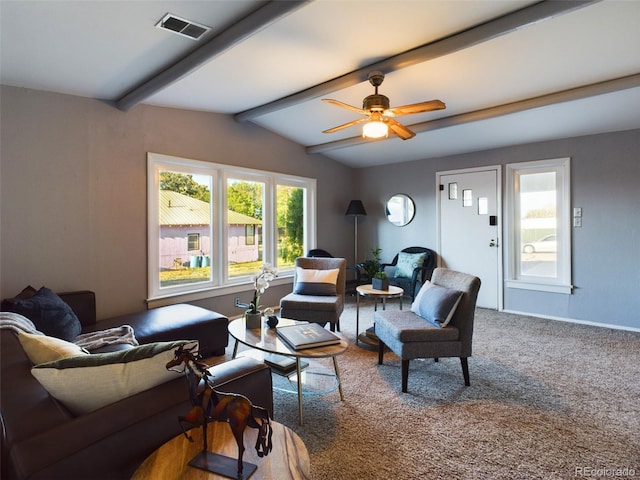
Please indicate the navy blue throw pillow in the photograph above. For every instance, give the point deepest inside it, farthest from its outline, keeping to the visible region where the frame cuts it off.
(50, 314)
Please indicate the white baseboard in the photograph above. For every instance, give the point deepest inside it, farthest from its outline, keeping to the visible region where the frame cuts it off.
(573, 320)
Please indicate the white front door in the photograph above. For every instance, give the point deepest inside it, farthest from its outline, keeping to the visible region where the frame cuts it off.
(469, 237)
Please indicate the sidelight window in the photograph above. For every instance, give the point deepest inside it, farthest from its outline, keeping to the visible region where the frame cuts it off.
(539, 229)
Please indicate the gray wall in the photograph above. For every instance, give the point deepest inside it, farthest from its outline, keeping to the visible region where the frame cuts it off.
(73, 198)
(73, 201)
(605, 171)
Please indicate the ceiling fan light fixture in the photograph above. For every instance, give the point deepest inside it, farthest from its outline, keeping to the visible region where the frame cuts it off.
(375, 129)
(378, 117)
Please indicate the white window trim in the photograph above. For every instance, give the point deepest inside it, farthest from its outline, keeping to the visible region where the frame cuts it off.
(220, 284)
(562, 283)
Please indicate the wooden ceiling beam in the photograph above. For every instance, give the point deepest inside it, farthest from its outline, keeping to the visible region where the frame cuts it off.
(236, 33)
(511, 22)
(601, 88)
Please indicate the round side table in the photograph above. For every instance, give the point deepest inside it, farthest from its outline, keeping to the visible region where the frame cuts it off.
(289, 458)
(368, 338)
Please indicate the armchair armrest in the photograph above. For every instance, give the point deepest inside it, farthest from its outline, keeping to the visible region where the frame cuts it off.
(422, 272)
(357, 269)
(384, 266)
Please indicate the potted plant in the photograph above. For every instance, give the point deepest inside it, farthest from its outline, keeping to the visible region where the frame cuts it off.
(380, 281)
(253, 315)
(377, 277)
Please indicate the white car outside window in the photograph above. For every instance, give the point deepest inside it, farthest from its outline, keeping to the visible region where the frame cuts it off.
(544, 245)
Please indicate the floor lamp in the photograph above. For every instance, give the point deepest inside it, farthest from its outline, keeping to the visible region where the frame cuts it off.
(355, 209)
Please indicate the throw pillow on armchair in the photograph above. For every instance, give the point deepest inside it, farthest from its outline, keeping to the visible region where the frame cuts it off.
(407, 263)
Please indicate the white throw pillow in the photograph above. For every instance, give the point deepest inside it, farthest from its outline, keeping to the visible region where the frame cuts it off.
(89, 382)
(316, 282)
(42, 349)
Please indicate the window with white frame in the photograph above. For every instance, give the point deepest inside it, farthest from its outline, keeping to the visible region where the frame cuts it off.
(539, 228)
(212, 225)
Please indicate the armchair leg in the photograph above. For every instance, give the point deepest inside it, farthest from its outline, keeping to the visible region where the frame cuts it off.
(380, 352)
(465, 370)
(405, 375)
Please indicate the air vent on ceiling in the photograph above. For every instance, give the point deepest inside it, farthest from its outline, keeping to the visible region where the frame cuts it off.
(182, 27)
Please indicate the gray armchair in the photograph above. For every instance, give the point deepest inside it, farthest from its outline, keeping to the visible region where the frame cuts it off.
(320, 309)
(411, 336)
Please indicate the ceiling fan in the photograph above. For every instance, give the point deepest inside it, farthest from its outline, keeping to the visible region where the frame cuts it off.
(379, 116)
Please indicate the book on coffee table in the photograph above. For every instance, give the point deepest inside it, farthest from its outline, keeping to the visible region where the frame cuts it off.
(282, 364)
(307, 335)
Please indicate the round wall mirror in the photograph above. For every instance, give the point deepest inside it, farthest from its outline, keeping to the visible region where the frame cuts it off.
(400, 210)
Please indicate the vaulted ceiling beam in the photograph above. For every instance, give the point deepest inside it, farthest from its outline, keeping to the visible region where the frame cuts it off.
(481, 33)
(236, 33)
(602, 88)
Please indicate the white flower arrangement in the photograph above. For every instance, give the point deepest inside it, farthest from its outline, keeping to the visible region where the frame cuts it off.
(260, 284)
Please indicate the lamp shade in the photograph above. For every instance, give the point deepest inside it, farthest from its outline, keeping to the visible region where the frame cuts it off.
(356, 208)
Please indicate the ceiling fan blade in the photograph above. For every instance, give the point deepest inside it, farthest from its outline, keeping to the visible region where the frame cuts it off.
(400, 130)
(346, 125)
(344, 105)
(416, 108)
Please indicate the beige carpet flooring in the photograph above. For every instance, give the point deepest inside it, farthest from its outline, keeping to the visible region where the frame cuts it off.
(548, 400)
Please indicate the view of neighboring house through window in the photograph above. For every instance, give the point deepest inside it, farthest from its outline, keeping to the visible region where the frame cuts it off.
(213, 225)
(185, 228)
(245, 200)
(540, 233)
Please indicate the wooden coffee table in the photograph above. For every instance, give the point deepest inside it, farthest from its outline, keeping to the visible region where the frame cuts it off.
(266, 340)
(289, 458)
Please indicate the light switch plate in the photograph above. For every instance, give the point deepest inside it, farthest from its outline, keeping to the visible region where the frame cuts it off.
(577, 221)
(577, 211)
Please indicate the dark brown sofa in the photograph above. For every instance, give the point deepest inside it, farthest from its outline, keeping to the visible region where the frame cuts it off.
(174, 322)
(41, 439)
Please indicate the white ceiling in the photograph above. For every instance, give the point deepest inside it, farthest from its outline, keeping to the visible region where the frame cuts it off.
(535, 74)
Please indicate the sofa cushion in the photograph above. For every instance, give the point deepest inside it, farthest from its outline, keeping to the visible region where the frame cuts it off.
(316, 282)
(86, 383)
(42, 349)
(436, 304)
(48, 312)
(407, 263)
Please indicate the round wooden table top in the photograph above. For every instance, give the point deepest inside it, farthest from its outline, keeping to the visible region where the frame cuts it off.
(289, 458)
(368, 290)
